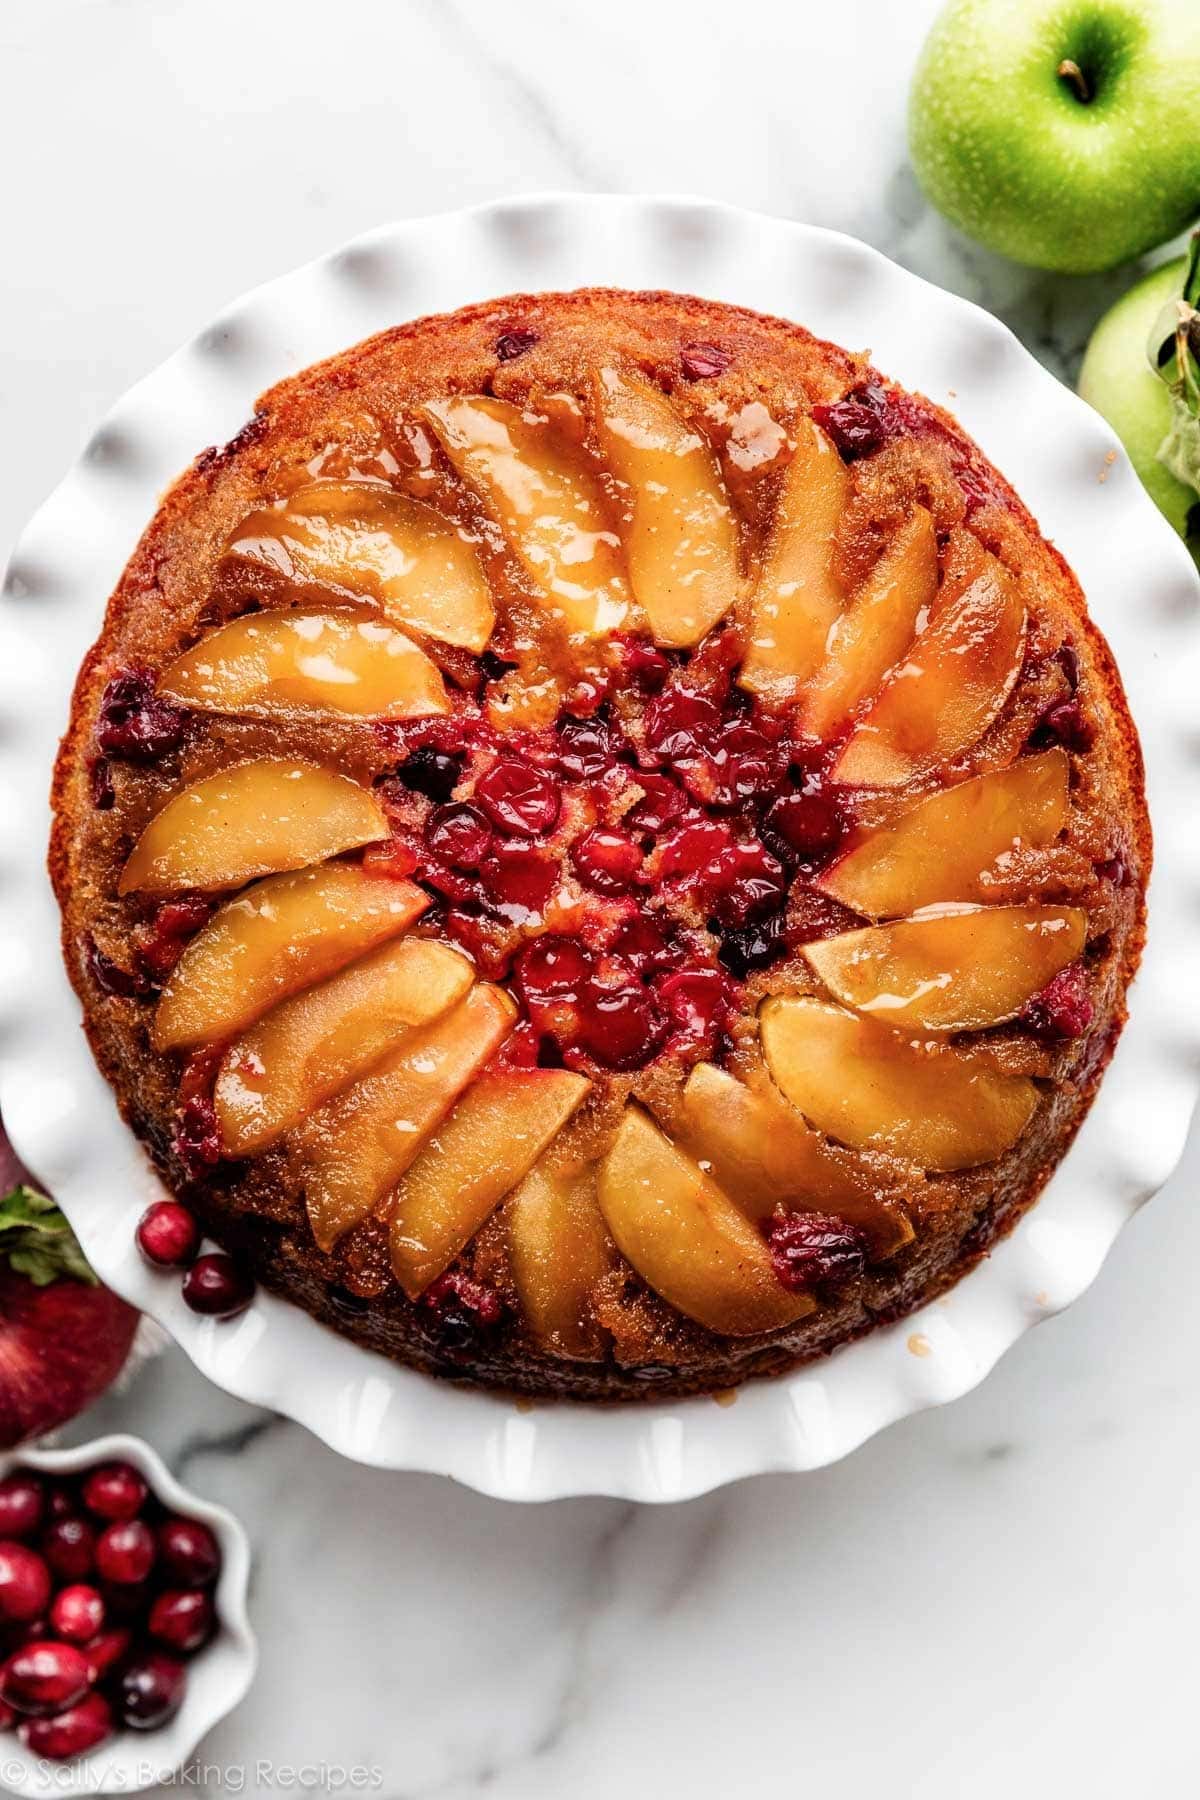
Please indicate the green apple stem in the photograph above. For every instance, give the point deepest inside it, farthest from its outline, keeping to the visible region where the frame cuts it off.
(1073, 75)
(1175, 358)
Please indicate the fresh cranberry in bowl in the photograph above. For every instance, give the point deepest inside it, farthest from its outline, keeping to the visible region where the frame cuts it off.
(24, 1583)
(114, 1491)
(71, 1733)
(151, 1690)
(188, 1552)
(22, 1505)
(125, 1552)
(44, 1677)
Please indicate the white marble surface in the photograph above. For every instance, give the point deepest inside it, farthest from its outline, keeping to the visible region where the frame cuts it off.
(991, 1599)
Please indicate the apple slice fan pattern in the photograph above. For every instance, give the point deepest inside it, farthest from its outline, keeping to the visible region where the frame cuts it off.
(690, 920)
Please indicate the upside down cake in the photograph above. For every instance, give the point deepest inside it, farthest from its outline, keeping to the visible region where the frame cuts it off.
(599, 848)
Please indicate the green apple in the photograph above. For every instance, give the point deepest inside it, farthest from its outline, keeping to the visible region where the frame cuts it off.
(1063, 133)
(1116, 378)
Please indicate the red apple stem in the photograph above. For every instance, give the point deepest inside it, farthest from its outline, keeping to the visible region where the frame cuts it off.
(1073, 75)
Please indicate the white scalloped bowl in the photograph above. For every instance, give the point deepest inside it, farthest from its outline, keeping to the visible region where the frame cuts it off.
(1143, 592)
(218, 1676)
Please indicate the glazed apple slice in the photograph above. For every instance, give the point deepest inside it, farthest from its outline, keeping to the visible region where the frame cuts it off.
(958, 968)
(875, 629)
(269, 662)
(354, 1149)
(681, 538)
(366, 540)
(797, 596)
(281, 935)
(885, 1090)
(256, 818)
(489, 1143)
(560, 1249)
(549, 505)
(943, 847)
(686, 1239)
(319, 1041)
(761, 1152)
(943, 695)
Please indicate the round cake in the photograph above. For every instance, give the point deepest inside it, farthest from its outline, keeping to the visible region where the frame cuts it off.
(600, 851)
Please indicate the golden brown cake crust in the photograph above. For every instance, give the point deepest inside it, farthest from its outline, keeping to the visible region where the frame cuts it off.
(356, 412)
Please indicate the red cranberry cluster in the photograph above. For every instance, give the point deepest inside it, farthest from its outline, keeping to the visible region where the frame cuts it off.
(872, 415)
(103, 1595)
(213, 1284)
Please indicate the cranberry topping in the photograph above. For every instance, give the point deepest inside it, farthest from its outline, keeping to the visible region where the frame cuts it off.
(182, 1619)
(188, 1552)
(161, 943)
(459, 835)
(645, 947)
(703, 362)
(125, 1552)
(133, 722)
(69, 1546)
(70, 1733)
(1064, 723)
(24, 1582)
(518, 881)
(808, 1249)
(109, 976)
(461, 1308)
(168, 1235)
(808, 822)
(100, 784)
(1063, 1009)
(22, 1503)
(858, 423)
(587, 747)
(431, 772)
(754, 946)
(691, 847)
(197, 1137)
(641, 662)
(621, 1027)
(607, 860)
(152, 1688)
(696, 1001)
(662, 805)
(217, 1287)
(747, 881)
(44, 1677)
(681, 722)
(514, 343)
(77, 1613)
(518, 799)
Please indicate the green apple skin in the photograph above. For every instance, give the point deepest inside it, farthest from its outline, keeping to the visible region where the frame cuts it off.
(1116, 378)
(1008, 151)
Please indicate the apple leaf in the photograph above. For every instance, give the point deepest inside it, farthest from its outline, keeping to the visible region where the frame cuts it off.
(1174, 351)
(37, 1240)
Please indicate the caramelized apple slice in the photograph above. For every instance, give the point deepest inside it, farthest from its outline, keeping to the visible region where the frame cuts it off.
(687, 1240)
(549, 505)
(945, 693)
(256, 818)
(763, 1154)
(268, 662)
(281, 935)
(355, 1148)
(560, 1249)
(958, 968)
(317, 1042)
(875, 629)
(488, 1144)
(941, 849)
(680, 534)
(363, 539)
(797, 597)
(878, 1089)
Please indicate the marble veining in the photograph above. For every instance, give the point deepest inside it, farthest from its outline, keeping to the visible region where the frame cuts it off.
(989, 1599)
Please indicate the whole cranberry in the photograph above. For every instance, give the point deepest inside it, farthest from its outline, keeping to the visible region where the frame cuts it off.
(44, 1677)
(22, 1504)
(696, 1000)
(106, 1650)
(460, 835)
(432, 772)
(859, 423)
(168, 1235)
(518, 880)
(518, 799)
(607, 860)
(807, 821)
(747, 881)
(188, 1552)
(552, 968)
(71, 1733)
(115, 1491)
(217, 1287)
(125, 1552)
(587, 747)
(182, 1619)
(691, 847)
(151, 1690)
(645, 947)
(134, 722)
(621, 1026)
(681, 722)
(661, 804)
(809, 1248)
(69, 1546)
(24, 1582)
(77, 1613)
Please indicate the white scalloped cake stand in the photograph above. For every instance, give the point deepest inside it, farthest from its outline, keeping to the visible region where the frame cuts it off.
(1142, 590)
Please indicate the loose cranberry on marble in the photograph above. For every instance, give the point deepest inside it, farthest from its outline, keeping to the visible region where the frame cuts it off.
(44, 1677)
(514, 343)
(518, 799)
(69, 1547)
(197, 1138)
(860, 422)
(77, 1613)
(810, 1248)
(431, 772)
(460, 1309)
(217, 1287)
(754, 946)
(607, 860)
(168, 1235)
(151, 1690)
(125, 1552)
(1063, 1010)
(188, 1552)
(587, 747)
(22, 1505)
(808, 821)
(660, 806)
(182, 1619)
(133, 722)
(460, 835)
(106, 1650)
(70, 1733)
(24, 1582)
(703, 362)
(518, 881)
(115, 1491)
